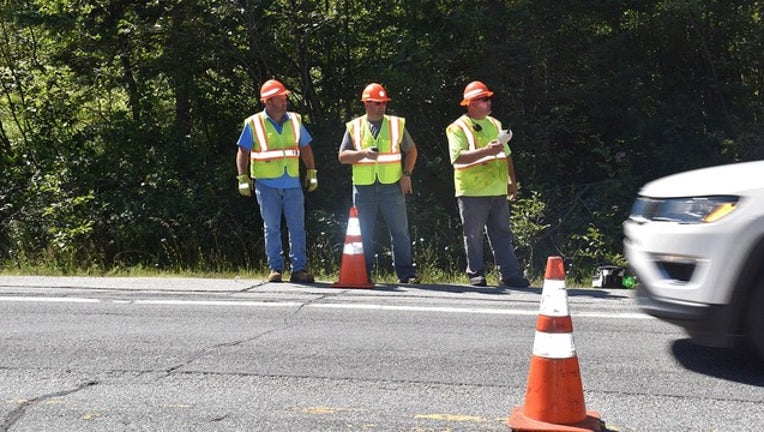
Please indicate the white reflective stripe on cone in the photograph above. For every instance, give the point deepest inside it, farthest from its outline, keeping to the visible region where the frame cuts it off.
(554, 299)
(353, 248)
(554, 283)
(554, 306)
(354, 227)
(554, 345)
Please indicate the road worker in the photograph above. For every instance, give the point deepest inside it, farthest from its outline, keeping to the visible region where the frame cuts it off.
(484, 179)
(383, 156)
(269, 149)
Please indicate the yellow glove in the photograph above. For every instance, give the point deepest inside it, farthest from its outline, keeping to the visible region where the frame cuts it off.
(245, 185)
(311, 180)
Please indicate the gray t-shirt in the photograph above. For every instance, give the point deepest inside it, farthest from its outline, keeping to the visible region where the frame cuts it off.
(406, 144)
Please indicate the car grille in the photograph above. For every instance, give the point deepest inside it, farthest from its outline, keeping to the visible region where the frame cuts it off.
(681, 271)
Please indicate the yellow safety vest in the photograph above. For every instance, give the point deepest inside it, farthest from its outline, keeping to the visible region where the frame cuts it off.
(487, 176)
(274, 152)
(387, 167)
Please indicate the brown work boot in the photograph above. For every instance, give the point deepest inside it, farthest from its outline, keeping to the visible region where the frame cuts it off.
(275, 276)
(301, 276)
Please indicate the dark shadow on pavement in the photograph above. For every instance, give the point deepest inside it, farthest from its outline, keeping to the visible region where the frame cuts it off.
(491, 289)
(738, 365)
(320, 284)
(503, 290)
(598, 293)
(578, 292)
(376, 287)
(454, 289)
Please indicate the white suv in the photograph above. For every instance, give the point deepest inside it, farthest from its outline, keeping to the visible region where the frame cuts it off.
(695, 241)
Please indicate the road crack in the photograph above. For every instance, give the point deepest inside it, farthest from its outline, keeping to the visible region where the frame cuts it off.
(207, 350)
(19, 412)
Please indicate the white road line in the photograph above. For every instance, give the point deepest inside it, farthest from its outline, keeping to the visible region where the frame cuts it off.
(353, 306)
(217, 303)
(468, 310)
(366, 306)
(50, 299)
(626, 315)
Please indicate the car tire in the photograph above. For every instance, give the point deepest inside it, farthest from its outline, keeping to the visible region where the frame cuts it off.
(755, 321)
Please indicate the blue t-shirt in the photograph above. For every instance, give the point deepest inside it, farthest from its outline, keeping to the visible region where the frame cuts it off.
(247, 138)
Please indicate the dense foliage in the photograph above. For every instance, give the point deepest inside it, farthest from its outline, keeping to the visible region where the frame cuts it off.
(118, 118)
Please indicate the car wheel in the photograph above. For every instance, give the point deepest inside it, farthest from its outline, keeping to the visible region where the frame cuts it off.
(755, 321)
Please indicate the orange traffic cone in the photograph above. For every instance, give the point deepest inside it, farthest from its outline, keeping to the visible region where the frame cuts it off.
(554, 400)
(353, 266)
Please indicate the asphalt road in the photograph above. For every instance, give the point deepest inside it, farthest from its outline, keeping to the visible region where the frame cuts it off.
(161, 354)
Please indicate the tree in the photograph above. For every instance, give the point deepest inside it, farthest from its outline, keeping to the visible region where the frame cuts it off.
(118, 119)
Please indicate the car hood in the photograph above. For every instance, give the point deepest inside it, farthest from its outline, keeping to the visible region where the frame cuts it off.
(732, 179)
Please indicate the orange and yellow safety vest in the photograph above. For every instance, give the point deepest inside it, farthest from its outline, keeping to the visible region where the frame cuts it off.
(274, 152)
(387, 167)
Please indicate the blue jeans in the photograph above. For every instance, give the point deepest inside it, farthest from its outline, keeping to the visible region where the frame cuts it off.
(490, 215)
(291, 202)
(388, 200)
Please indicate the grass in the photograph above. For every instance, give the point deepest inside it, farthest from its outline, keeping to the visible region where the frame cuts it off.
(426, 275)
(428, 271)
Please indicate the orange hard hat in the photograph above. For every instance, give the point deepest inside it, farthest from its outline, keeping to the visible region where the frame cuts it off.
(374, 92)
(475, 89)
(272, 88)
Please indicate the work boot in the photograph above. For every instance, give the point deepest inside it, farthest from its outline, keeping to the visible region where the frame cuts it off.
(478, 281)
(274, 276)
(302, 276)
(412, 280)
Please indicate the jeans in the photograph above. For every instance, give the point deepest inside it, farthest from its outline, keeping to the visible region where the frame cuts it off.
(291, 202)
(490, 215)
(388, 200)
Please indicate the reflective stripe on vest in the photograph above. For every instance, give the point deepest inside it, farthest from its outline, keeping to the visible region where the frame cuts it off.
(395, 138)
(275, 154)
(283, 157)
(387, 167)
(472, 140)
(258, 125)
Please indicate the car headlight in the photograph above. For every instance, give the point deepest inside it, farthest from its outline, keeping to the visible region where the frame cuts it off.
(683, 210)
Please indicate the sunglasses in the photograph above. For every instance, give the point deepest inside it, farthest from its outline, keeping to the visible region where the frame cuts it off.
(484, 99)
